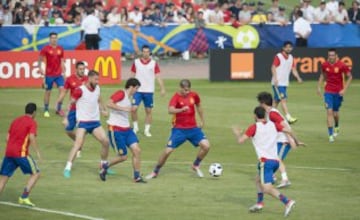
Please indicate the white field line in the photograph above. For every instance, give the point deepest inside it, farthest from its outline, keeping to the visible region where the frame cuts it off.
(51, 211)
(224, 164)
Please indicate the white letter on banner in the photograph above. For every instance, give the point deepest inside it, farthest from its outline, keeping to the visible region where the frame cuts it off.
(6, 74)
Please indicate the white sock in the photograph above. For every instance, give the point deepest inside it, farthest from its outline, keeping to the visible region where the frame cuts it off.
(147, 127)
(136, 126)
(68, 165)
(288, 116)
(284, 176)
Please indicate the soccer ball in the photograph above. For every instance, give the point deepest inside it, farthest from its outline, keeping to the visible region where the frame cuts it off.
(215, 169)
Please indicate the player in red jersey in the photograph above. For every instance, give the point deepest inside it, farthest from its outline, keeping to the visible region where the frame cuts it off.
(71, 83)
(333, 71)
(21, 134)
(55, 67)
(184, 105)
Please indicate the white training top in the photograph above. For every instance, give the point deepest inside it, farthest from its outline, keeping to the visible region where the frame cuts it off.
(301, 26)
(283, 70)
(145, 73)
(120, 118)
(281, 137)
(264, 140)
(87, 106)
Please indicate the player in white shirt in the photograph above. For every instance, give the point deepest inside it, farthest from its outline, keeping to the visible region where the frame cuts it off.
(281, 68)
(264, 138)
(88, 107)
(284, 143)
(146, 70)
(120, 134)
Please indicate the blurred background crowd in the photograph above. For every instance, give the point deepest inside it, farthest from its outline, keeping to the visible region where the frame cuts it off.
(164, 12)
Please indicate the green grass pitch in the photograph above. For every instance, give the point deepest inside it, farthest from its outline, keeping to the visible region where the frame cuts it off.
(325, 177)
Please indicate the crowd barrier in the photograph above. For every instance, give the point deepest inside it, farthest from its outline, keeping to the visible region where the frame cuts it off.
(177, 38)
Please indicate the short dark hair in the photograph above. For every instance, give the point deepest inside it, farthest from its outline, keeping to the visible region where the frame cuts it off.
(332, 50)
(92, 73)
(265, 98)
(259, 112)
(30, 108)
(145, 47)
(299, 13)
(185, 83)
(287, 43)
(52, 33)
(132, 82)
(79, 63)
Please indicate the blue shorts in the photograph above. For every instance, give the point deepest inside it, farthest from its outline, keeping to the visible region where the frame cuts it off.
(279, 93)
(333, 101)
(26, 164)
(50, 80)
(146, 97)
(267, 169)
(89, 126)
(120, 140)
(283, 150)
(71, 117)
(179, 135)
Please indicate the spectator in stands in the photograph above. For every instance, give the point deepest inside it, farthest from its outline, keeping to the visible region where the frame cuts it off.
(135, 16)
(7, 18)
(180, 18)
(98, 11)
(322, 14)
(113, 18)
(251, 8)
(124, 17)
(308, 10)
(236, 8)
(190, 14)
(274, 8)
(69, 19)
(90, 27)
(57, 18)
(169, 17)
(234, 22)
(260, 7)
(294, 13)
(158, 16)
(245, 14)
(332, 6)
(43, 8)
(270, 17)
(281, 18)
(1, 14)
(259, 16)
(302, 30)
(148, 18)
(18, 14)
(226, 12)
(341, 15)
(354, 13)
(27, 19)
(217, 17)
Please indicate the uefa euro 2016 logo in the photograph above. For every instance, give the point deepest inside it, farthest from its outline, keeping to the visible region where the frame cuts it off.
(246, 37)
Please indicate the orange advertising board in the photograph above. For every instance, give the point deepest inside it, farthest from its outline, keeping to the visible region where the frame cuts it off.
(20, 69)
(242, 65)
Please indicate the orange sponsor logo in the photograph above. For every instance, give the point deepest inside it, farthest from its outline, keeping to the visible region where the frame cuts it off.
(312, 65)
(242, 66)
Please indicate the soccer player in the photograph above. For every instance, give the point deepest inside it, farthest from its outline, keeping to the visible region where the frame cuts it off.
(145, 70)
(88, 106)
(333, 71)
(184, 105)
(21, 135)
(55, 67)
(284, 143)
(264, 138)
(282, 65)
(120, 134)
(71, 83)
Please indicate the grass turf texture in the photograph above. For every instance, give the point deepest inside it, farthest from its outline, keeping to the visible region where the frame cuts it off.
(324, 176)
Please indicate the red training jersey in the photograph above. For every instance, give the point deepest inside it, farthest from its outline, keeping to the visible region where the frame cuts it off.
(53, 56)
(334, 75)
(18, 136)
(73, 82)
(185, 119)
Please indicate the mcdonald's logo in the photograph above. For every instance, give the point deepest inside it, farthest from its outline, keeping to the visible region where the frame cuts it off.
(105, 66)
